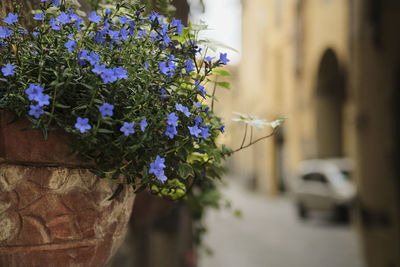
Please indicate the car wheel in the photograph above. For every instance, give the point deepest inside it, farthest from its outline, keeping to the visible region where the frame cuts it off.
(302, 212)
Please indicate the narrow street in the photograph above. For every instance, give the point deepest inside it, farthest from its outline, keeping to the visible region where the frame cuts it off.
(270, 235)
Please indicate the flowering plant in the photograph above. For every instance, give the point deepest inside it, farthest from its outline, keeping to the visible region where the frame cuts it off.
(128, 88)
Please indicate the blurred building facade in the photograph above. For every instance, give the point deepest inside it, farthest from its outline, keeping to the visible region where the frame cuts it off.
(333, 68)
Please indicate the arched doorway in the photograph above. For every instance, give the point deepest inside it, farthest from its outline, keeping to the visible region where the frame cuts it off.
(329, 100)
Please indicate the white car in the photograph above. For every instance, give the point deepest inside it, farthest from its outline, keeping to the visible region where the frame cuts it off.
(324, 185)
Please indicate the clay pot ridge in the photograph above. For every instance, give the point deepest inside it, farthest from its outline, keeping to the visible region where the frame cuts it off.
(29, 147)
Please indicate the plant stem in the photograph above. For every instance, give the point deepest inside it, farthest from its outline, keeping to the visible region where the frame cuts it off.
(244, 137)
(53, 106)
(213, 94)
(252, 143)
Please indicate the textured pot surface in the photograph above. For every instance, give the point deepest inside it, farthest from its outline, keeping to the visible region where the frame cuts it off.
(53, 216)
(29, 146)
(52, 211)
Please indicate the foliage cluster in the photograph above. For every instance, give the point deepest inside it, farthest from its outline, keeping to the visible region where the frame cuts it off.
(127, 87)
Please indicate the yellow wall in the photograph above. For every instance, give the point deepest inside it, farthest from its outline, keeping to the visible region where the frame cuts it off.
(284, 43)
(273, 82)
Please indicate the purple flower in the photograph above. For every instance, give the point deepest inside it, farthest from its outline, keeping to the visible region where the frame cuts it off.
(77, 18)
(163, 68)
(157, 164)
(154, 15)
(171, 131)
(108, 76)
(56, 2)
(8, 70)
(35, 111)
(146, 65)
(223, 58)
(127, 128)
(113, 34)
(171, 63)
(157, 168)
(82, 55)
(11, 18)
(208, 59)
(82, 124)
(99, 69)
(179, 26)
(143, 124)
(38, 16)
(197, 105)
(172, 119)
(166, 40)
(189, 65)
(163, 94)
(93, 58)
(43, 100)
(123, 19)
(142, 33)
(4, 33)
(164, 28)
(183, 109)
(120, 73)
(200, 88)
(64, 18)
(70, 45)
(99, 38)
(194, 130)
(178, 107)
(93, 17)
(106, 109)
(198, 120)
(54, 24)
(131, 27)
(161, 176)
(124, 34)
(205, 131)
(222, 129)
(34, 91)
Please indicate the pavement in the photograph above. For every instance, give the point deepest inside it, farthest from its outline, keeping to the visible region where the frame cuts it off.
(269, 234)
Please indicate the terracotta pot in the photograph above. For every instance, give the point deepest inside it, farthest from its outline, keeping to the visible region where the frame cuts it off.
(53, 211)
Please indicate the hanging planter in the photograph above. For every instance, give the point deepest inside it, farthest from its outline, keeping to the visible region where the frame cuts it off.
(53, 210)
(111, 103)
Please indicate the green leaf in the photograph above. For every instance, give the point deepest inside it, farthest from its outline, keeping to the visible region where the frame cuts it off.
(62, 106)
(98, 101)
(185, 170)
(223, 73)
(141, 188)
(107, 122)
(238, 213)
(80, 107)
(224, 85)
(104, 131)
(117, 192)
(214, 45)
(198, 27)
(44, 133)
(88, 86)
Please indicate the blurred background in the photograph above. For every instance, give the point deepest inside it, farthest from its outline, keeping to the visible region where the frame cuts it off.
(325, 189)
